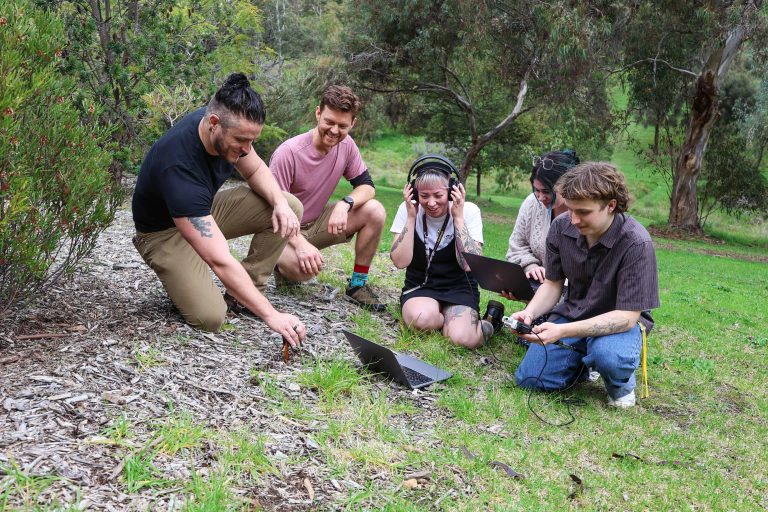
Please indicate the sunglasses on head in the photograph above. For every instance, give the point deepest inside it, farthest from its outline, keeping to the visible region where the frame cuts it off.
(546, 163)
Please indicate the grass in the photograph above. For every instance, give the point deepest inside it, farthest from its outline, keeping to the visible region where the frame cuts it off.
(693, 445)
(147, 356)
(706, 354)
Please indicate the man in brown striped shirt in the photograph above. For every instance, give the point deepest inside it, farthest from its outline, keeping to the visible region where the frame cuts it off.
(610, 263)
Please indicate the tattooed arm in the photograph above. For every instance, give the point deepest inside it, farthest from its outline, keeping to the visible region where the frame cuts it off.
(402, 248)
(207, 240)
(613, 322)
(464, 242)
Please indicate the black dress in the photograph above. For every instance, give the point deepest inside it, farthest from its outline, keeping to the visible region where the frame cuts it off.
(447, 283)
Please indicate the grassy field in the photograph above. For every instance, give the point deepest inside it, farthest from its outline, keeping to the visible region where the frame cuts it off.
(695, 444)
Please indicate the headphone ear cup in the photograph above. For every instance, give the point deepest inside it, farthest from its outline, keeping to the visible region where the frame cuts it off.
(414, 192)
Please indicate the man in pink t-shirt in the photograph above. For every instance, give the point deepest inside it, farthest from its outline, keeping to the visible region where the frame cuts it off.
(310, 167)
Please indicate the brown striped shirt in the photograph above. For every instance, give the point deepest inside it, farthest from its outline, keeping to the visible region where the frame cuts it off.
(618, 273)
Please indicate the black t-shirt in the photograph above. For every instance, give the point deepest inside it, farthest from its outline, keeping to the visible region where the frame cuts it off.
(178, 178)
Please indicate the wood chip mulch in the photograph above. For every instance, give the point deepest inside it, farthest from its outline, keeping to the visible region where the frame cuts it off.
(108, 344)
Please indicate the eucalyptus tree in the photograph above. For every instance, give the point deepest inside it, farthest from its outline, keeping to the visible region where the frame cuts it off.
(698, 42)
(492, 61)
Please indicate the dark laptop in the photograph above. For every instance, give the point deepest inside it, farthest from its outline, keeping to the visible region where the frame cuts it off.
(499, 275)
(401, 368)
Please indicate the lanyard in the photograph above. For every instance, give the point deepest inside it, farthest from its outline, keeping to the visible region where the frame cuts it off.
(429, 253)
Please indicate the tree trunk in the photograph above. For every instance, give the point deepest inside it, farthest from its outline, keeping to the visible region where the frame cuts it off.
(656, 129)
(477, 181)
(683, 210)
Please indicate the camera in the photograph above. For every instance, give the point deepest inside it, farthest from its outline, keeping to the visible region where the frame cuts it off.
(518, 327)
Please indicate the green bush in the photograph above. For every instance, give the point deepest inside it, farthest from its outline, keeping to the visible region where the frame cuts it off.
(56, 193)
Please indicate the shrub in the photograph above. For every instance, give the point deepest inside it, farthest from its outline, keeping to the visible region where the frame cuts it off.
(731, 179)
(56, 194)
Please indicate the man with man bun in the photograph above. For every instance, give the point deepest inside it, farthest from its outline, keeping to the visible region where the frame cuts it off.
(610, 263)
(183, 221)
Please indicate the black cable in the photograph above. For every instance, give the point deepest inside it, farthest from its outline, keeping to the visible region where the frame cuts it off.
(567, 402)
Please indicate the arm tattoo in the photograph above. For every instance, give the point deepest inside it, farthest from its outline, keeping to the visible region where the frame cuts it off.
(609, 327)
(465, 243)
(399, 240)
(203, 226)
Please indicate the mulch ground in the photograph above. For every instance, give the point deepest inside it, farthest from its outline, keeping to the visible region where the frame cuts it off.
(107, 343)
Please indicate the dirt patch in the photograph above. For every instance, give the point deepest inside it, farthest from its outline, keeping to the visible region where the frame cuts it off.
(681, 416)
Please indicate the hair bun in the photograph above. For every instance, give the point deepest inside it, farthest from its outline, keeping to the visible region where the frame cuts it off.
(236, 81)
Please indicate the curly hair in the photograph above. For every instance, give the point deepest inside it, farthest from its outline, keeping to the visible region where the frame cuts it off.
(597, 181)
(340, 97)
(237, 98)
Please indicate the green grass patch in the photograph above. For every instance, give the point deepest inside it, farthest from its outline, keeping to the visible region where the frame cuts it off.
(332, 378)
(706, 353)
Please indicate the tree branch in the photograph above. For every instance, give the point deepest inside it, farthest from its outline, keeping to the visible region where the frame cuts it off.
(654, 61)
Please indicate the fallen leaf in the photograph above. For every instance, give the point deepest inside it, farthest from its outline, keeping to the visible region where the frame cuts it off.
(411, 483)
(414, 449)
(310, 490)
(418, 475)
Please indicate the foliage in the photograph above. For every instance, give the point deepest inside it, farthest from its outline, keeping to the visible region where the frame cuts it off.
(753, 120)
(56, 194)
(480, 66)
(731, 178)
(150, 63)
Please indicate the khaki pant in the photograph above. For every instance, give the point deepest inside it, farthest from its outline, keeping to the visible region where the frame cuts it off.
(187, 278)
(316, 232)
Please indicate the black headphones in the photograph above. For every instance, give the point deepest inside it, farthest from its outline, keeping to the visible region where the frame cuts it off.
(432, 163)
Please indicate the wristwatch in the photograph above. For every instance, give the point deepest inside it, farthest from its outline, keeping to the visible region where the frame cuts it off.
(349, 201)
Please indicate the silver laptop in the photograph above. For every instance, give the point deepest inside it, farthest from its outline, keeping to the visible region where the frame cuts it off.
(401, 368)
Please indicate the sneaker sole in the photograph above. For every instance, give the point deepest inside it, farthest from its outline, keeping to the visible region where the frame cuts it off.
(378, 308)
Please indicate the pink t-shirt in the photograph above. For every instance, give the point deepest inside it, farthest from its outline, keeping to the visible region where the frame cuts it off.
(300, 169)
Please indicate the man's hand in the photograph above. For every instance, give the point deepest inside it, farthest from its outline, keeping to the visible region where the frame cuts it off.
(284, 220)
(536, 273)
(288, 326)
(310, 260)
(337, 223)
(546, 333)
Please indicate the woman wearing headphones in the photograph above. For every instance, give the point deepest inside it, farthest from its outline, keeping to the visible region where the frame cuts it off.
(434, 226)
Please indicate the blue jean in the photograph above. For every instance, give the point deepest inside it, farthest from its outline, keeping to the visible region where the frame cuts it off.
(615, 357)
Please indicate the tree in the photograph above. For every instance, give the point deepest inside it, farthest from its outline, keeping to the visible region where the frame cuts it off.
(133, 56)
(703, 53)
(56, 193)
(491, 61)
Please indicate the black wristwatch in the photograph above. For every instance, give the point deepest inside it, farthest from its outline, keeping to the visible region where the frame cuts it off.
(349, 201)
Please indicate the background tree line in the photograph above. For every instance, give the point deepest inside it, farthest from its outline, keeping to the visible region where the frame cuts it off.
(489, 82)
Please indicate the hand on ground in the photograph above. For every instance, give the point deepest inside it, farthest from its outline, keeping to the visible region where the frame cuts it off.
(288, 326)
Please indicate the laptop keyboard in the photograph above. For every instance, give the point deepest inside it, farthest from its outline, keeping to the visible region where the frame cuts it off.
(415, 378)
